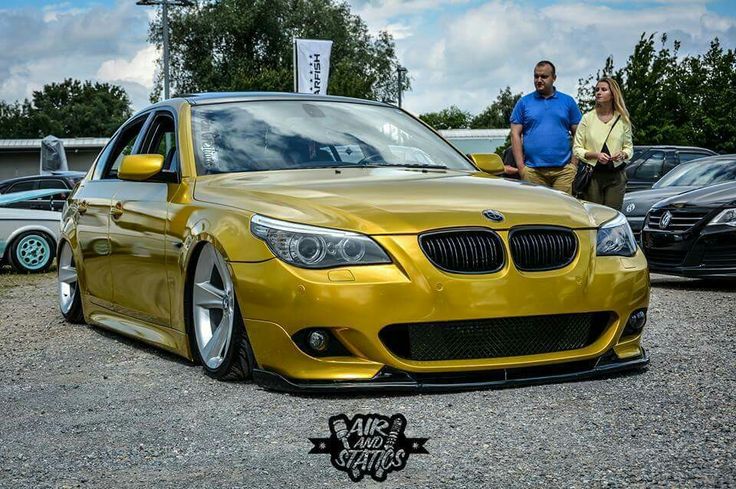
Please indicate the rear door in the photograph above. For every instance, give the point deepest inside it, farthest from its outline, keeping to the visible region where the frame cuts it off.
(92, 202)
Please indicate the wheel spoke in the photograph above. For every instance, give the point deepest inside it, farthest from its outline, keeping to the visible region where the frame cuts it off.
(215, 345)
(208, 296)
(67, 274)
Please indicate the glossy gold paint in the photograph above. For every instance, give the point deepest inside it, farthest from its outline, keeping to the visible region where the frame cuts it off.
(134, 242)
(140, 167)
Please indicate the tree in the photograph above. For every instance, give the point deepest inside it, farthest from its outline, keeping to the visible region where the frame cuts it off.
(450, 118)
(496, 115)
(229, 45)
(673, 99)
(68, 109)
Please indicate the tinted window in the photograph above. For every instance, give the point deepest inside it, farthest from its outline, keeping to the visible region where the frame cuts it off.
(651, 168)
(161, 139)
(23, 186)
(121, 147)
(281, 135)
(51, 183)
(685, 157)
(700, 174)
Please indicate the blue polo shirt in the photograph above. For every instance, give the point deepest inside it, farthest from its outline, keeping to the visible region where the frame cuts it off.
(546, 128)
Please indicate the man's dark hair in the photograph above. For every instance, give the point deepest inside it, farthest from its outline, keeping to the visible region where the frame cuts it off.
(551, 65)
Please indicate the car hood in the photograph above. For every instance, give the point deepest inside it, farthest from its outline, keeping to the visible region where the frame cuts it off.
(713, 196)
(643, 200)
(394, 200)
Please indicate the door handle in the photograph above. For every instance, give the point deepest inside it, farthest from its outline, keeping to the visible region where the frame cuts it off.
(116, 210)
(82, 206)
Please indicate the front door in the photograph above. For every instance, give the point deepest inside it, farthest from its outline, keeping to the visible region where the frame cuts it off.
(138, 231)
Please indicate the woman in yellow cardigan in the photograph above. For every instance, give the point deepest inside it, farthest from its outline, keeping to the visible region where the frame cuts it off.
(603, 139)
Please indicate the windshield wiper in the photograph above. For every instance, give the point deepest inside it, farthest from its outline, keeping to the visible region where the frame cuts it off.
(407, 165)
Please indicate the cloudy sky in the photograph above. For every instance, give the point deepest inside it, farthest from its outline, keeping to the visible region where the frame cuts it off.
(459, 52)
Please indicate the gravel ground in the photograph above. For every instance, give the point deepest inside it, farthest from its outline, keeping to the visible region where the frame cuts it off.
(80, 407)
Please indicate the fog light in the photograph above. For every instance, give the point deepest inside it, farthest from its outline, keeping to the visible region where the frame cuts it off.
(636, 322)
(319, 340)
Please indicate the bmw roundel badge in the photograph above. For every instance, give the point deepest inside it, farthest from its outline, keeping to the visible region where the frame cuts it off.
(493, 215)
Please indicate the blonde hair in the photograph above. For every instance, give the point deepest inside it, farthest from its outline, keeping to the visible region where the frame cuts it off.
(617, 98)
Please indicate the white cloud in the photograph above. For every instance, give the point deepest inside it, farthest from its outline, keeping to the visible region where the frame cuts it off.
(464, 56)
(140, 69)
(42, 46)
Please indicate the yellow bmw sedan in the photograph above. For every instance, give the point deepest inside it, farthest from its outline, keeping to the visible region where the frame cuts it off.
(322, 243)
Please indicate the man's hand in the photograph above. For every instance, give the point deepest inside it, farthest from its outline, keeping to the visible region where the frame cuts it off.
(510, 170)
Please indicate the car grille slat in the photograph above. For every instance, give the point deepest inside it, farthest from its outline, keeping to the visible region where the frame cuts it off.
(682, 219)
(464, 250)
(537, 249)
(494, 338)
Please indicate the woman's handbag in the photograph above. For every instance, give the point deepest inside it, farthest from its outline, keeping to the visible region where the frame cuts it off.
(582, 178)
(585, 171)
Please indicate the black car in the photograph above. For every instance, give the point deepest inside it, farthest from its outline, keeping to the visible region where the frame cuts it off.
(656, 161)
(61, 180)
(684, 178)
(693, 234)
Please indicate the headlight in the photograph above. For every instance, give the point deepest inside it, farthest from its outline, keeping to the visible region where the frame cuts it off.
(314, 247)
(615, 238)
(727, 217)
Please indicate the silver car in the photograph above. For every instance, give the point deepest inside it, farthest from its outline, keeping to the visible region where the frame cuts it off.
(28, 238)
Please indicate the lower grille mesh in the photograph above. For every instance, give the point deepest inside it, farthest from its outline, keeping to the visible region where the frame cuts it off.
(494, 338)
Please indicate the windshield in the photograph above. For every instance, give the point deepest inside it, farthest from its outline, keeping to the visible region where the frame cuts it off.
(296, 134)
(699, 174)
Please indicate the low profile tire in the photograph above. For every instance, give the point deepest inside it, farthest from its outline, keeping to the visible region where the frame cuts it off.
(70, 300)
(32, 252)
(220, 340)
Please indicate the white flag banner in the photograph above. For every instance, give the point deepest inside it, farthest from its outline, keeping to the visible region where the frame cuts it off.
(312, 65)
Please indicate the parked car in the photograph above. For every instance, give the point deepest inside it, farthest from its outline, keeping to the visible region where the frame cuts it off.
(684, 178)
(58, 180)
(656, 161)
(28, 238)
(693, 234)
(319, 243)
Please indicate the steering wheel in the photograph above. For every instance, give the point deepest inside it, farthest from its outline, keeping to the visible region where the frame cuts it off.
(370, 158)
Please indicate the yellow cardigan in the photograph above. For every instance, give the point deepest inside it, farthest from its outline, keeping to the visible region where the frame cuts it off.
(591, 134)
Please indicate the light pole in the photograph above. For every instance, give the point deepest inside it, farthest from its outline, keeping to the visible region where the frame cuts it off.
(165, 28)
(400, 71)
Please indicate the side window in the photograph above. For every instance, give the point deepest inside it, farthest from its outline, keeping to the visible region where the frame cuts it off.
(161, 139)
(121, 147)
(52, 183)
(651, 168)
(23, 186)
(685, 157)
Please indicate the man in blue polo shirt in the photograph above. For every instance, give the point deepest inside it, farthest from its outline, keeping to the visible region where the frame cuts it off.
(542, 125)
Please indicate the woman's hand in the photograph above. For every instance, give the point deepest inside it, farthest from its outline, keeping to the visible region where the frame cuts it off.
(603, 158)
(618, 156)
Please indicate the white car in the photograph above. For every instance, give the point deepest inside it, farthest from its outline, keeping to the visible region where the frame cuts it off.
(28, 238)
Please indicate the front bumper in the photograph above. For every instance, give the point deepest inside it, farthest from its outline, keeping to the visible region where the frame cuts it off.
(390, 380)
(704, 252)
(357, 303)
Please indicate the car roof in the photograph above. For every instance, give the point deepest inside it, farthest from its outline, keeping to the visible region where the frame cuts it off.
(671, 146)
(221, 97)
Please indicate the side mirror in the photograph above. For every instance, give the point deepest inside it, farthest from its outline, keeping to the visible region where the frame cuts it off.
(140, 167)
(488, 162)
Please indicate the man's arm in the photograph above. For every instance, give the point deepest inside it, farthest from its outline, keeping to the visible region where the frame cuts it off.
(516, 145)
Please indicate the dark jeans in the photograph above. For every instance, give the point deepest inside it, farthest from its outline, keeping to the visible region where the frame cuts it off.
(607, 188)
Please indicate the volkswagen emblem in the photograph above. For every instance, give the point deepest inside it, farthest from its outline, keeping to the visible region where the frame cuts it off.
(665, 221)
(630, 208)
(492, 215)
